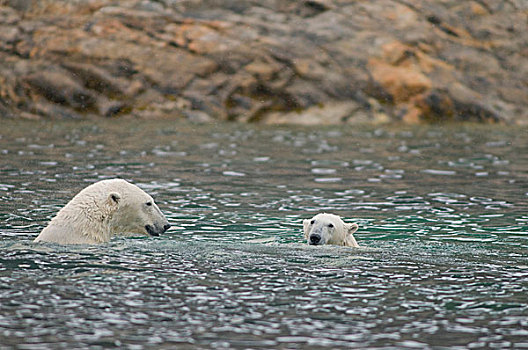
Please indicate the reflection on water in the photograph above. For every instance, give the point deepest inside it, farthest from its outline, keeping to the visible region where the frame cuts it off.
(443, 225)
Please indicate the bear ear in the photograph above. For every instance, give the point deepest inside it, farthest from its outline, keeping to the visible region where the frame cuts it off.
(306, 226)
(351, 228)
(114, 198)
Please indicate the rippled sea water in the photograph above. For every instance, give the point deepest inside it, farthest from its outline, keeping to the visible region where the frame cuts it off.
(443, 215)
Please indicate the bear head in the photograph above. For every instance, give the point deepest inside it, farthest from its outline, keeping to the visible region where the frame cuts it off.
(132, 211)
(329, 229)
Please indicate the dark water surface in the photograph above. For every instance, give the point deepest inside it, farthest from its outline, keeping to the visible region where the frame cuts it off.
(443, 215)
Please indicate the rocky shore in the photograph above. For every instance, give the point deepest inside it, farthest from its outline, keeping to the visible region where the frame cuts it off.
(266, 61)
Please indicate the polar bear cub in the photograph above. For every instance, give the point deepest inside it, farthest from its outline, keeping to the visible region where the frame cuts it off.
(329, 229)
(102, 210)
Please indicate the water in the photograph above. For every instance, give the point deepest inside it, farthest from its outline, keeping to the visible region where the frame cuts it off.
(443, 228)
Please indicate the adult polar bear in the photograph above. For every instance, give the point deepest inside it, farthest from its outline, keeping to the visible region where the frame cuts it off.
(102, 210)
(329, 229)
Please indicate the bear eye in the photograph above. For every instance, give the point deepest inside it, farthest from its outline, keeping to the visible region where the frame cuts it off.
(148, 204)
(331, 225)
(312, 222)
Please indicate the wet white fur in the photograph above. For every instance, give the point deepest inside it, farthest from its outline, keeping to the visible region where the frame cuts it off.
(340, 233)
(101, 210)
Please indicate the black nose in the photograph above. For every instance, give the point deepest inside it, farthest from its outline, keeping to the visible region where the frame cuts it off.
(315, 239)
(166, 227)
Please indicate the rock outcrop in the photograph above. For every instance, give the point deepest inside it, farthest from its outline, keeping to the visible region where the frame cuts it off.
(268, 61)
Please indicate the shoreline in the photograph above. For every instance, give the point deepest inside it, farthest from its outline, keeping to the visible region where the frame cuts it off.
(293, 62)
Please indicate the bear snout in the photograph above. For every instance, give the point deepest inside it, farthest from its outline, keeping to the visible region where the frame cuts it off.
(155, 231)
(315, 239)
